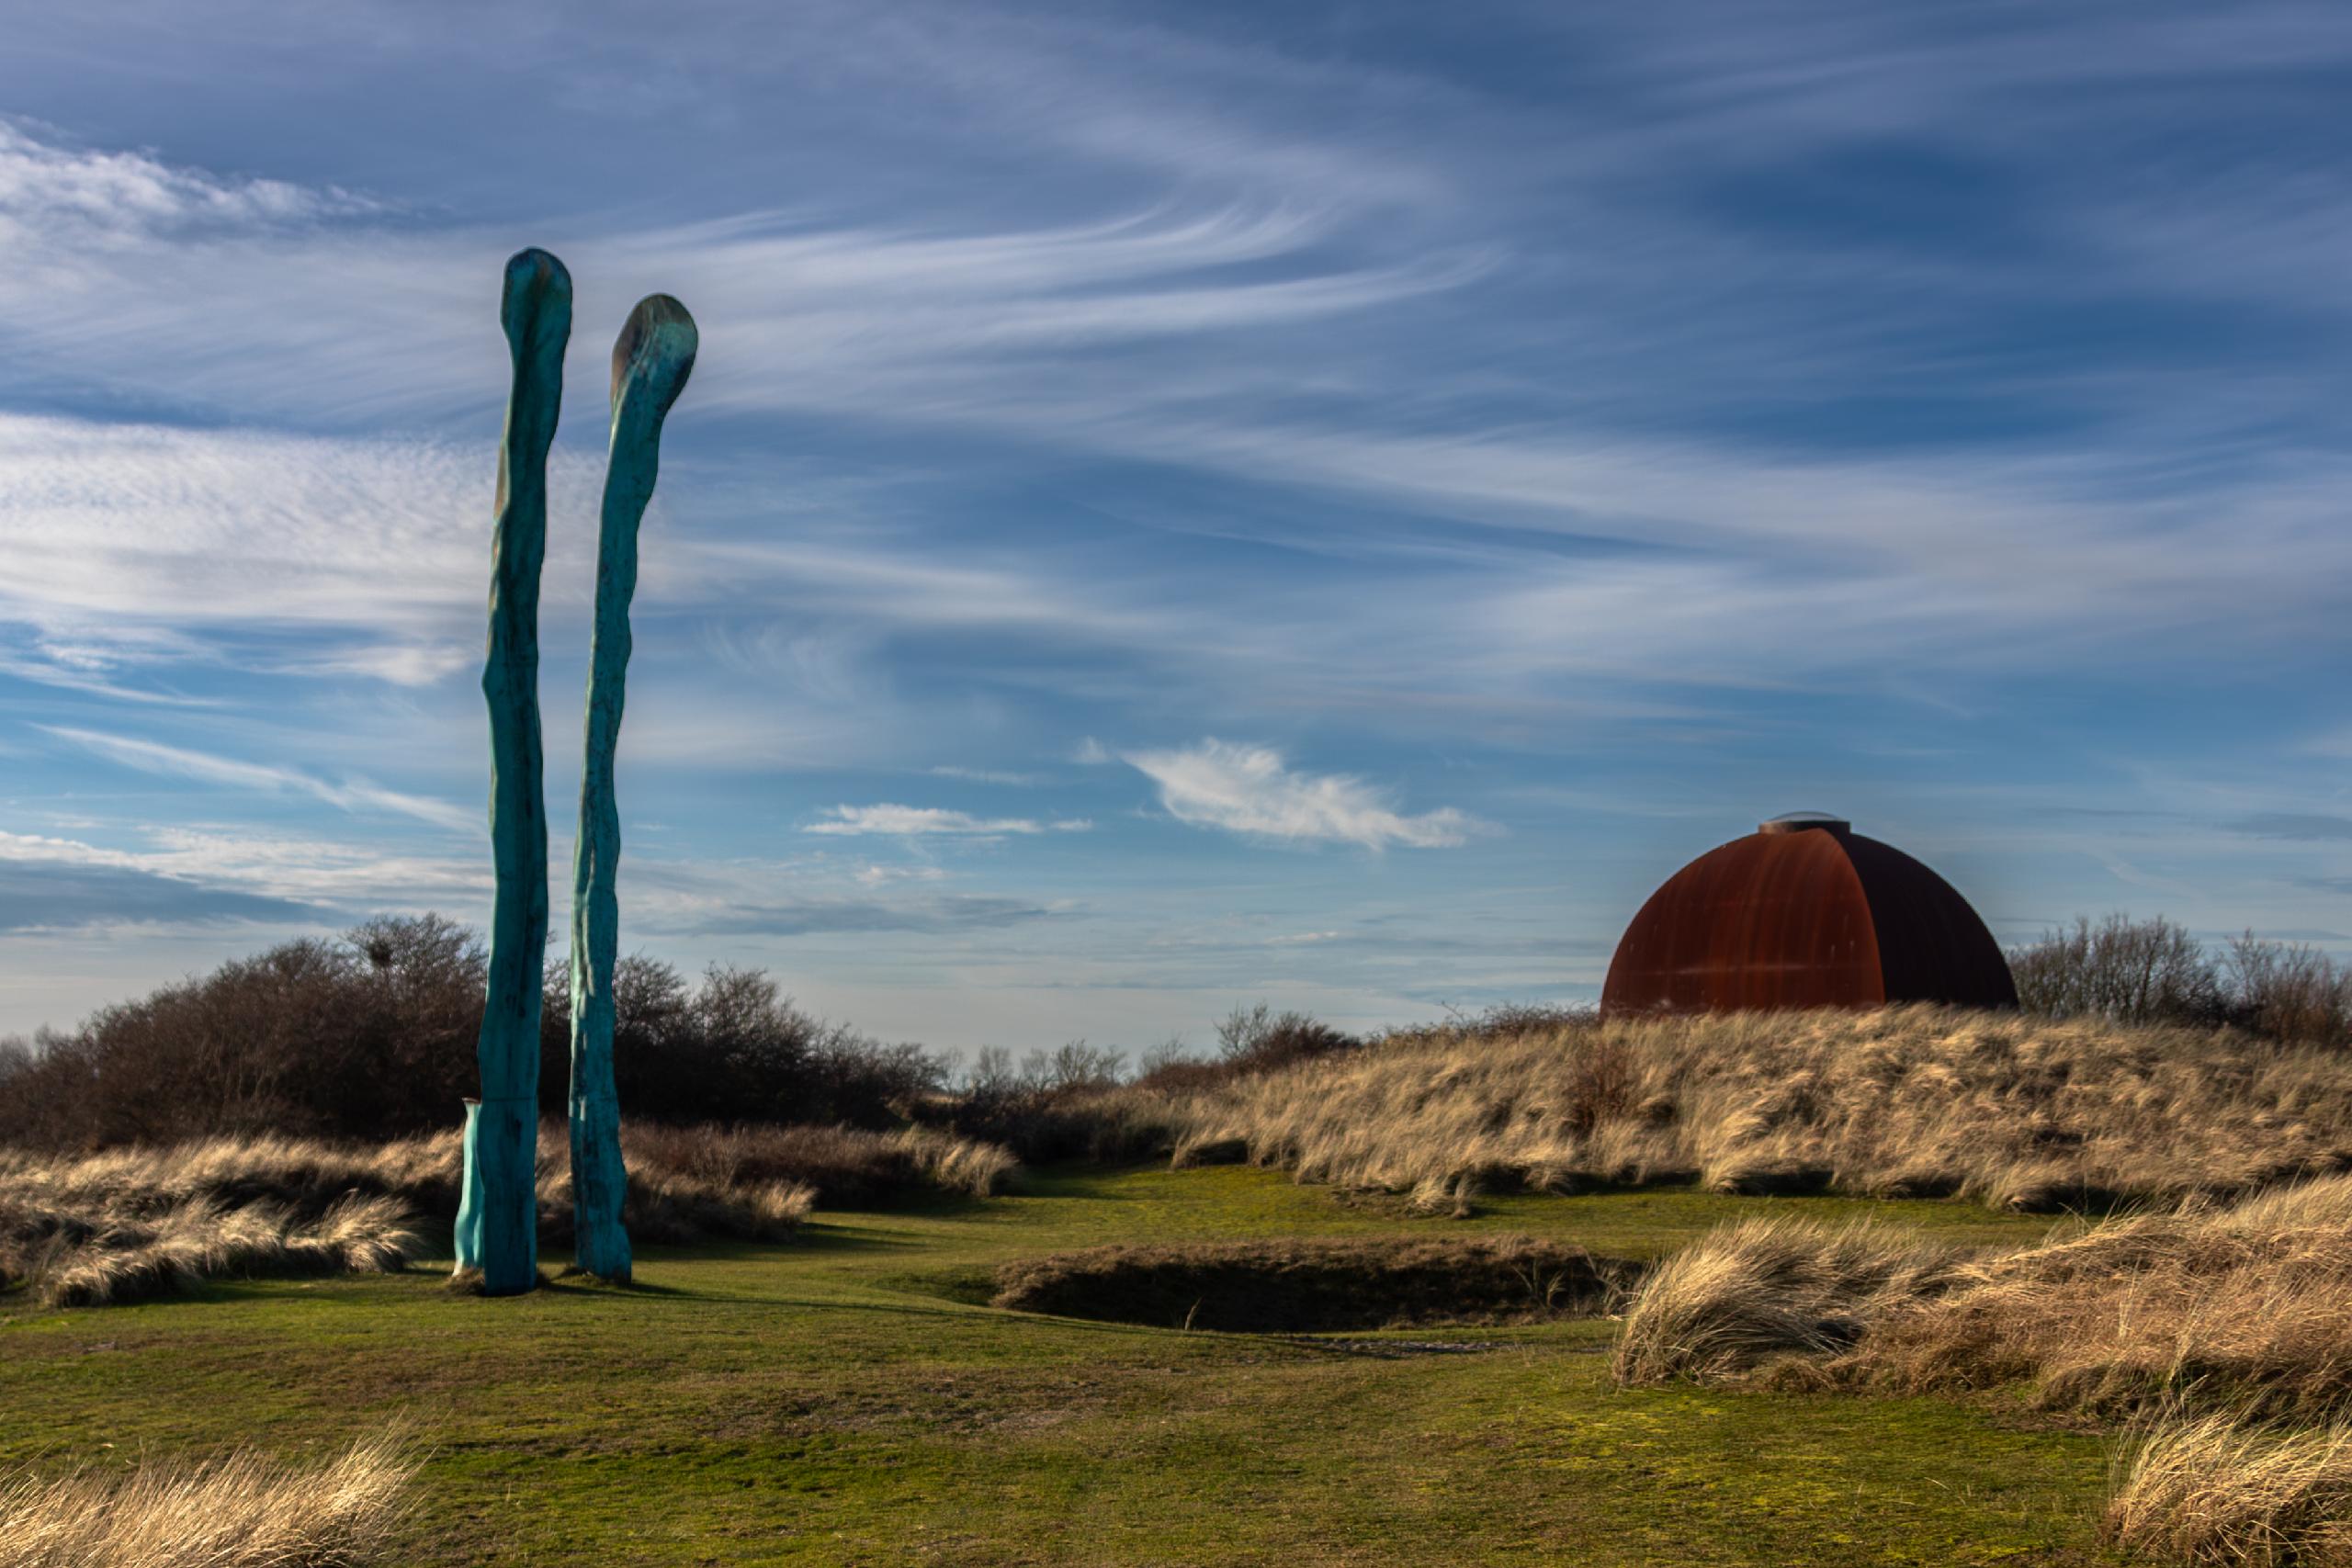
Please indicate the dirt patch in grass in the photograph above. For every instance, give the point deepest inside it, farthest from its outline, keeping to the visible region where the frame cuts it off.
(1308, 1286)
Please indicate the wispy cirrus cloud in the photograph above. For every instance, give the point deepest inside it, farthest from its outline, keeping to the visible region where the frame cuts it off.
(884, 875)
(61, 885)
(988, 776)
(142, 545)
(922, 822)
(820, 914)
(267, 778)
(125, 261)
(2307, 826)
(1250, 790)
(1849, 400)
(48, 187)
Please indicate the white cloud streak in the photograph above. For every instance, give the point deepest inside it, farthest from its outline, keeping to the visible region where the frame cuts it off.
(1249, 790)
(922, 822)
(139, 543)
(354, 795)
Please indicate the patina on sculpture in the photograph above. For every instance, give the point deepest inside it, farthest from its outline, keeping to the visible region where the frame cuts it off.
(497, 1230)
(650, 362)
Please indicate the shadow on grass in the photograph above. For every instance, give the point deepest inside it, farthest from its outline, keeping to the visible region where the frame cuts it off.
(923, 1203)
(1084, 1178)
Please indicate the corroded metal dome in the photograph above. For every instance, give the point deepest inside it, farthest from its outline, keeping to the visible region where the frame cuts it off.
(1805, 912)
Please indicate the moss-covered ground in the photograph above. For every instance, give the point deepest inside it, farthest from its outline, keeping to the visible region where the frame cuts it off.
(848, 1398)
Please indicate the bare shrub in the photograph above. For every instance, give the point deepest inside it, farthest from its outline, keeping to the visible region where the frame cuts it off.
(240, 1510)
(734, 1048)
(2156, 972)
(1257, 1040)
(1505, 1020)
(2219, 1489)
(2130, 971)
(1065, 1104)
(1249, 1041)
(371, 1035)
(2289, 992)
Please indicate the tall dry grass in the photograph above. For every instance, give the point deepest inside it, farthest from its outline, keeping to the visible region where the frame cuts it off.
(844, 1165)
(238, 1511)
(2240, 1306)
(2222, 1332)
(125, 1258)
(1768, 1288)
(137, 1222)
(2223, 1491)
(2016, 1112)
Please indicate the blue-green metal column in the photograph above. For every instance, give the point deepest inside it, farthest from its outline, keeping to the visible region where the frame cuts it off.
(497, 1229)
(651, 363)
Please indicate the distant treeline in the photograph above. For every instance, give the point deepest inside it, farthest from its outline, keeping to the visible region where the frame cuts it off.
(2156, 972)
(370, 1036)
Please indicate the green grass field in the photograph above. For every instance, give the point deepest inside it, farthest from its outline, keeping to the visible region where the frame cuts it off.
(848, 1398)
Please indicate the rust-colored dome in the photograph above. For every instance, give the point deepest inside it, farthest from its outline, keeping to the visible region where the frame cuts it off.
(1805, 912)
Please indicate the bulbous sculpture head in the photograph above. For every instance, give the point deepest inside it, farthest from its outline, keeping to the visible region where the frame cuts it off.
(656, 351)
(537, 299)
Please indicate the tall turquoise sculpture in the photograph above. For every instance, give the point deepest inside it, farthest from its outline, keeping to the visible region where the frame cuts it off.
(498, 1214)
(650, 362)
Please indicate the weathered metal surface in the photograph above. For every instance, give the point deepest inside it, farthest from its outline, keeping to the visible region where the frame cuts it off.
(1932, 947)
(651, 363)
(497, 1229)
(1804, 913)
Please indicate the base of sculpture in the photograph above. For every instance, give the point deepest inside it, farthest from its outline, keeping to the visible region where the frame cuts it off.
(499, 1243)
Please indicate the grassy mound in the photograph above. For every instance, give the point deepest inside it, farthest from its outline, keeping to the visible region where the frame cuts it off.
(2016, 1112)
(2239, 1306)
(1306, 1286)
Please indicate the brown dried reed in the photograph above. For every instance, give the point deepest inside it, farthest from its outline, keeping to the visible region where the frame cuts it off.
(2222, 1490)
(2237, 1306)
(2019, 1112)
(137, 1222)
(239, 1510)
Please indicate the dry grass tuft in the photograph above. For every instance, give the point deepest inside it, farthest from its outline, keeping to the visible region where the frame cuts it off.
(2240, 1304)
(239, 1511)
(2241, 1301)
(2220, 1490)
(845, 1165)
(1762, 1289)
(2212, 1324)
(124, 1258)
(1912, 1101)
(135, 1223)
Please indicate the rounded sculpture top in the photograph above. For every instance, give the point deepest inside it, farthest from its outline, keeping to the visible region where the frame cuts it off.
(656, 348)
(1805, 913)
(535, 305)
(1798, 821)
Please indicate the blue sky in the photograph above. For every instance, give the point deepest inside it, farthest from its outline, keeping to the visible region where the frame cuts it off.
(1180, 505)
